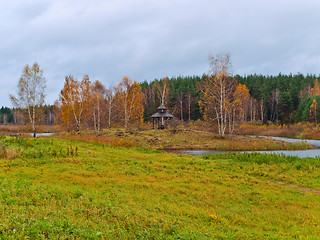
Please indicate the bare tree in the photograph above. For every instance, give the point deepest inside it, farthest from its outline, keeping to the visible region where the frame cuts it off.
(30, 93)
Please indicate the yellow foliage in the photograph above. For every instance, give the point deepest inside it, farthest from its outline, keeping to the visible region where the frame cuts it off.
(75, 100)
(241, 99)
(313, 110)
(213, 216)
(129, 97)
(315, 91)
(242, 93)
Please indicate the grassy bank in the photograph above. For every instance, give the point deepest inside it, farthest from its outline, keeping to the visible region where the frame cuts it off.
(63, 189)
(304, 130)
(184, 139)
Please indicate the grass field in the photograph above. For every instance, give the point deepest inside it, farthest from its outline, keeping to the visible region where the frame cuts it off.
(66, 189)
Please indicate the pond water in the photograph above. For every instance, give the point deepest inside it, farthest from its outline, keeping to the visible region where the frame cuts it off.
(41, 134)
(315, 143)
(299, 153)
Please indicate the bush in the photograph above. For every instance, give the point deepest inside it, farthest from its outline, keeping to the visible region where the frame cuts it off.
(7, 153)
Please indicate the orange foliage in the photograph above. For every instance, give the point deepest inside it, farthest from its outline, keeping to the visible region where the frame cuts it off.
(129, 97)
(313, 110)
(97, 105)
(75, 100)
(241, 100)
(315, 91)
(241, 93)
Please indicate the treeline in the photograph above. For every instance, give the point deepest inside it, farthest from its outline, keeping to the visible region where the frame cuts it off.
(18, 116)
(252, 98)
(284, 96)
(278, 99)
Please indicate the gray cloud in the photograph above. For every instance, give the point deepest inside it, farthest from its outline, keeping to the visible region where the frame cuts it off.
(147, 39)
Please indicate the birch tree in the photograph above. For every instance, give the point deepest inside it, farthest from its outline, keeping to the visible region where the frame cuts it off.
(129, 98)
(163, 90)
(110, 104)
(180, 99)
(241, 100)
(31, 93)
(98, 93)
(75, 100)
(189, 104)
(217, 91)
(262, 110)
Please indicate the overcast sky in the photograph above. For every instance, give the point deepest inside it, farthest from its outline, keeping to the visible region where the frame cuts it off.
(148, 39)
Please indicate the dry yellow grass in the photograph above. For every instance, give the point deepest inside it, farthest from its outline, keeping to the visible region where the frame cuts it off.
(182, 139)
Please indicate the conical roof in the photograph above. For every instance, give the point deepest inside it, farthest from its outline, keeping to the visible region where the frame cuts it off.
(161, 107)
(159, 115)
(162, 112)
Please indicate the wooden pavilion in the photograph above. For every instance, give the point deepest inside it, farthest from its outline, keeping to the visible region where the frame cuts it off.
(161, 117)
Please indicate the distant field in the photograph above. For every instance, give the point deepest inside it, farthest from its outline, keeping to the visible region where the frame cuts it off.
(64, 189)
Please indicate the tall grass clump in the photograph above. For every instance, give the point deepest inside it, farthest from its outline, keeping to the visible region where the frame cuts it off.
(8, 153)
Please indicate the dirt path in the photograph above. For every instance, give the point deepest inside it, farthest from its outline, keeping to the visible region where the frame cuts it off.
(295, 187)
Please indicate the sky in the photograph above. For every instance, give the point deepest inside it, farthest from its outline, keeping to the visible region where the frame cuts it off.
(149, 39)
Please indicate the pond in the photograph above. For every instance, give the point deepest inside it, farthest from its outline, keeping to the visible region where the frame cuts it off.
(40, 134)
(299, 153)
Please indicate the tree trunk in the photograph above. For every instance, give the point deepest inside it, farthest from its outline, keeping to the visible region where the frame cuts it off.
(99, 117)
(109, 118)
(261, 111)
(33, 121)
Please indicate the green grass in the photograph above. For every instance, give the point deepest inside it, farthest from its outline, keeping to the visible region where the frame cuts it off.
(102, 192)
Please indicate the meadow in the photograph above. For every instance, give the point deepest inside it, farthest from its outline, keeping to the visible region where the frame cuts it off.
(74, 189)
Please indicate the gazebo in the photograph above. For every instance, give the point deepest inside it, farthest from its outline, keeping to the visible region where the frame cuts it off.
(161, 117)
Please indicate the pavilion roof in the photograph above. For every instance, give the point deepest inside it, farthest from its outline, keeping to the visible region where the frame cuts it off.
(160, 115)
